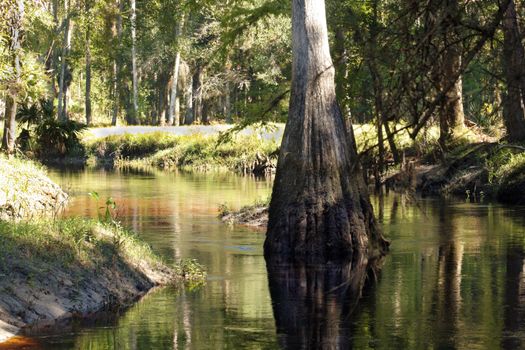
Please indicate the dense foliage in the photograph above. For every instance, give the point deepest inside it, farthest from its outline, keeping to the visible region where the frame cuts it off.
(410, 63)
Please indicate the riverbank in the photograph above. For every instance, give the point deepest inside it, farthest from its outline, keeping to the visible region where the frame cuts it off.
(196, 152)
(27, 192)
(477, 171)
(53, 268)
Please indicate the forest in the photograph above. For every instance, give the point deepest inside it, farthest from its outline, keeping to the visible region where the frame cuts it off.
(322, 173)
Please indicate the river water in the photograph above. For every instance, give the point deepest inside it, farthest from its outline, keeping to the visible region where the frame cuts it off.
(454, 277)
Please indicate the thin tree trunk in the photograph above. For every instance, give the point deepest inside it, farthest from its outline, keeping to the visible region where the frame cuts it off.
(62, 109)
(133, 19)
(176, 113)
(227, 110)
(378, 94)
(16, 17)
(381, 115)
(176, 68)
(116, 31)
(513, 62)
(164, 92)
(52, 55)
(9, 138)
(197, 93)
(189, 102)
(173, 97)
(452, 117)
(205, 112)
(88, 64)
(320, 208)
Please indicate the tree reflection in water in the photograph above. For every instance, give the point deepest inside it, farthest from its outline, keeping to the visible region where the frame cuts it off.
(313, 303)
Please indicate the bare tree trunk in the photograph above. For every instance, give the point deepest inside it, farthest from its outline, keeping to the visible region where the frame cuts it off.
(15, 17)
(176, 113)
(513, 62)
(9, 138)
(205, 112)
(173, 97)
(52, 55)
(176, 68)
(188, 120)
(66, 45)
(88, 64)
(227, 110)
(197, 93)
(452, 117)
(381, 114)
(117, 38)
(163, 98)
(320, 208)
(133, 19)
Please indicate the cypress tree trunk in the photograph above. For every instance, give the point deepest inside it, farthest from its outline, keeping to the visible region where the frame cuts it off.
(320, 207)
(513, 62)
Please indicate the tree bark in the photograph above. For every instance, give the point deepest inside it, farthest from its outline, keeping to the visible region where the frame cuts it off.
(133, 19)
(188, 119)
(66, 45)
(173, 97)
(226, 107)
(9, 138)
(163, 98)
(452, 116)
(320, 207)
(513, 67)
(197, 93)
(15, 17)
(88, 64)
(176, 68)
(116, 30)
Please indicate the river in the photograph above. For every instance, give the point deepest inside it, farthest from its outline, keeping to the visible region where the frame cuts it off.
(454, 277)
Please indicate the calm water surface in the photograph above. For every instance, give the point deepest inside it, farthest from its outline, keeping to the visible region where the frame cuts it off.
(454, 277)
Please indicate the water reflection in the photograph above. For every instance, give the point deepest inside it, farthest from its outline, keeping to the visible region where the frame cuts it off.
(313, 304)
(453, 279)
(514, 314)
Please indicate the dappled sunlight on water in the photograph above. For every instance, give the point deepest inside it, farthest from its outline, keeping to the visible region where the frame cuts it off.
(454, 277)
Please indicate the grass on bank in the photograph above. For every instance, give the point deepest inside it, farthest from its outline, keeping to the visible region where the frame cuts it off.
(26, 191)
(77, 247)
(190, 152)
